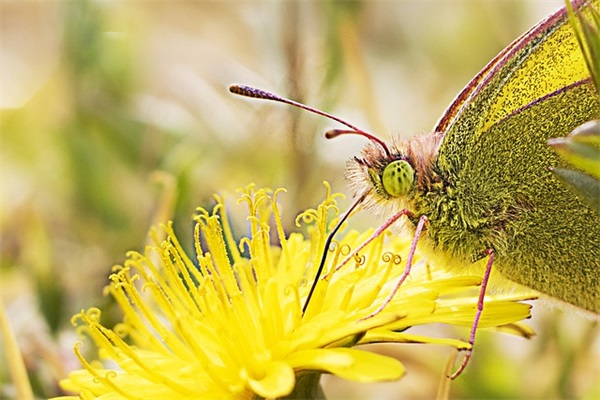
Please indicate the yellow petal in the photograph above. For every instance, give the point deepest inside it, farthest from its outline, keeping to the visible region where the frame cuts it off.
(279, 380)
(352, 364)
(386, 336)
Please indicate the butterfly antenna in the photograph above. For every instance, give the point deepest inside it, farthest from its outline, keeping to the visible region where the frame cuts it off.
(248, 91)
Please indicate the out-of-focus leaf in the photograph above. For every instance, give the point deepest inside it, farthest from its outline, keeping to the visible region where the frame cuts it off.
(581, 148)
(584, 185)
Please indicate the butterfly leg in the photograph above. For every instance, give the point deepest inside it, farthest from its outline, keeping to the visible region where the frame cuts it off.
(484, 283)
(413, 247)
(374, 236)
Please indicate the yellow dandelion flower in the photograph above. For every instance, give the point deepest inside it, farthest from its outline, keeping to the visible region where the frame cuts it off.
(229, 323)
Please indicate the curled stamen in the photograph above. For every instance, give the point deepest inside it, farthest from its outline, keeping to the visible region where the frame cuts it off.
(344, 250)
(391, 257)
(360, 259)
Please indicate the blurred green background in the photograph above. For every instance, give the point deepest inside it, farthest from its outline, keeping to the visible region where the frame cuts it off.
(116, 116)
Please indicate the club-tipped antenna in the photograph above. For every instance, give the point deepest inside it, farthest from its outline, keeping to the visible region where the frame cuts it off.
(248, 91)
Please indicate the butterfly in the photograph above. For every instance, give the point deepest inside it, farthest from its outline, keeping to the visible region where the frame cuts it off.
(479, 184)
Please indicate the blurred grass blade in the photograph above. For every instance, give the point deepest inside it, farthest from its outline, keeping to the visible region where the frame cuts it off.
(14, 358)
(588, 35)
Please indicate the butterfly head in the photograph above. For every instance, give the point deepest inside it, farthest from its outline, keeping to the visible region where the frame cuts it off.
(394, 176)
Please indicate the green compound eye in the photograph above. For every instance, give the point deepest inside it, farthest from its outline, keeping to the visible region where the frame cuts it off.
(398, 178)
